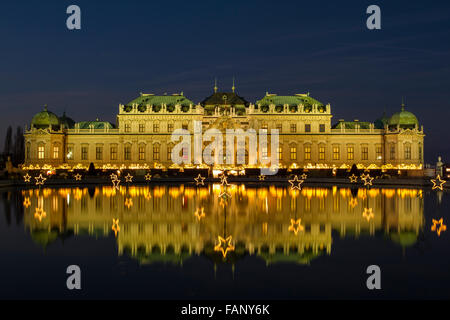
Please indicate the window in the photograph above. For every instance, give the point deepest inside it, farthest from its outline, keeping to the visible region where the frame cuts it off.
(156, 152)
(169, 152)
(336, 153)
(293, 153)
(127, 153)
(55, 152)
(156, 127)
(264, 126)
(350, 153)
(279, 127)
(98, 153)
(392, 152)
(280, 153)
(321, 128)
(169, 127)
(142, 127)
(293, 128)
(127, 127)
(184, 126)
(307, 153)
(408, 152)
(379, 151)
(364, 153)
(321, 153)
(69, 153)
(142, 153)
(264, 153)
(307, 128)
(41, 152)
(84, 153)
(113, 152)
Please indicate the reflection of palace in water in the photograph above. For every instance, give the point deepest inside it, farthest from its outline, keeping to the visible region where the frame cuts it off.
(164, 223)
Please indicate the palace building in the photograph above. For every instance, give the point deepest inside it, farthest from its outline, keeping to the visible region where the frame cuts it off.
(141, 136)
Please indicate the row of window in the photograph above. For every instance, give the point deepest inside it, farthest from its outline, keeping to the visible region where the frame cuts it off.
(142, 127)
(293, 127)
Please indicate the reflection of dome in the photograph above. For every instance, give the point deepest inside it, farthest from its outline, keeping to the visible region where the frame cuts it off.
(45, 119)
(300, 258)
(405, 239)
(404, 119)
(44, 237)
(66, 121)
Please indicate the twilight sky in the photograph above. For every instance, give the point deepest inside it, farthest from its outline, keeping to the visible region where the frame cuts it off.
(284, 47)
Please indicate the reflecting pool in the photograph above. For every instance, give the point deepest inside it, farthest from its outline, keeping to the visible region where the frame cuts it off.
(163, 242)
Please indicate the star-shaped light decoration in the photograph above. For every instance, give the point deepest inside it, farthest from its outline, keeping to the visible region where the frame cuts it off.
(148, 176)
(128, 203)
(363, 177)
(368, 214)
(113, 176)
(368, 180)
(115, 227)
(116, 182)
(78, 177)
(26, 202)
(199, 180)
(224, 180)
(27, 177)
(438, 183)
(224, 245)
(40, 214)
(304, 176)
(296, 183)
(353, 202)
(199, 213)
(261, 177)
(224, 195)
(128, 178)
(40, 180)
(442, 226)
(353, 178)
(296, 226)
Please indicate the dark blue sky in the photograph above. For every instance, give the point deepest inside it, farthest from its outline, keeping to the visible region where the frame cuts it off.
(284, 47)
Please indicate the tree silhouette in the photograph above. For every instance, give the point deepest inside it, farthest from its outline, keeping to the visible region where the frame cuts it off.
(8, 142)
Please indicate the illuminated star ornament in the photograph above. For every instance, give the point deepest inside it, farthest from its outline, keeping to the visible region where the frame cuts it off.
(261, 177)
(224, 180)
(440, 223)
(113, 176)
(353, 178)
(77, 177)
(296, 183)
(26, 202)
(115, 181)
(40, 180)
(368, 180)
(199, 180)
(363, 177)
(148, 177)
(368, 214)
(128, 178)
(224, 246)
(296, 226)
(128, 203)
(40, 214)
(199, 213)
(115, 227)
(27, 177)
(438, 183)
(304, 176)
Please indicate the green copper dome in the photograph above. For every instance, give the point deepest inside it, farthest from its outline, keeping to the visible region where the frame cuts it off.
(44, 119)
(404, 119)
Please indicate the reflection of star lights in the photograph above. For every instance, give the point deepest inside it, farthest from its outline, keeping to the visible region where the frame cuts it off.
(199, 180)
(128, 203)
(128, 178)
(199, 213)
(40, 180)
(296, 183)
(224, 245)
(296, 226)
(353, 178)
(115, 227)
(353, 202)
(442, 226)
(27, 177)
(224, 195)
(438, 183)
(77, 177)
(40, 214)
(368, 214)
(26, 202)
(148, 177)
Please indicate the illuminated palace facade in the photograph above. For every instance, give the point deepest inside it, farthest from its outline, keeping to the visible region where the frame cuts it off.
(141, 137)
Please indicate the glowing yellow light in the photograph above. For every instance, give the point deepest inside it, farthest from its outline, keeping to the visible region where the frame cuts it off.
(199, 213)
(27, 177)
(353, 202)
(26, 202)
(261, 177)
(40, 214)
(224, 245)
(77, 177)
(128, 178)
(304, 176)
(115, 181)
(353, 178)
(442, 226)
(199, 180)
(296, 183)
(224, 180)
(368, 214)
(128, 203)
(115, 227)
(368, 180)
(40, 180)
(438, 183)
(148, 176)
(296, 226)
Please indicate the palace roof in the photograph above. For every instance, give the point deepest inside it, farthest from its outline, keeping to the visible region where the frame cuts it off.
(168, 100)
(294, 100)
